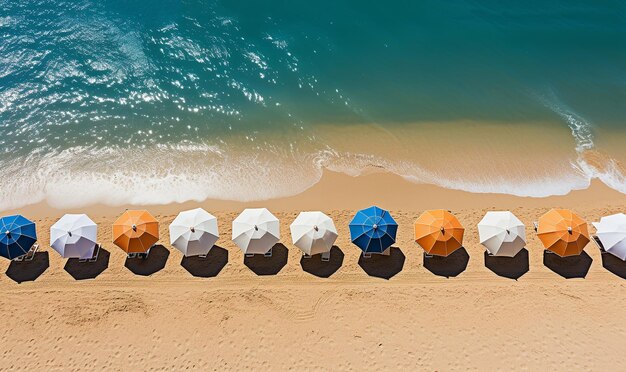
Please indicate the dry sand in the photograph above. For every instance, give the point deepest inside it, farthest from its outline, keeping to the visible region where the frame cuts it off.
(393, 313)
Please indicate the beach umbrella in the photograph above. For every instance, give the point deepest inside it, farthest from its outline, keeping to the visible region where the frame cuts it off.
(563, 232)
(373, 230)
(194, 232)
(17, 236)
(611, 231)
(313, 232)
(74, 236)
(502, 233)
(256, 230)
(439, 232)
(135, 231)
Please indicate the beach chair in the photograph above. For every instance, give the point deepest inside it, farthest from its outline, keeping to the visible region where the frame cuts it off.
(599, 244)
(536, 227)
(326, 256)
(140, 255)
(93, 258)
(143, 256)
(29, 255)
(268, 253)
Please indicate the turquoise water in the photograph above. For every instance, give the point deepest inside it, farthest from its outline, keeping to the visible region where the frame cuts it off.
(143, 86)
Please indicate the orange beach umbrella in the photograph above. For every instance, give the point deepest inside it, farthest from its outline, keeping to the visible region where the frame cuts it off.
(563, 232)
(439, 232)
(135, 231)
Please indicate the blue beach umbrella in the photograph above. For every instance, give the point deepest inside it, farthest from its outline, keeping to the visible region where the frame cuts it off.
(17, 236)
(373, 230)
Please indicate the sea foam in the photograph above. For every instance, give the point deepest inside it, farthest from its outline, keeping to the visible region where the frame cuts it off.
(164, 174)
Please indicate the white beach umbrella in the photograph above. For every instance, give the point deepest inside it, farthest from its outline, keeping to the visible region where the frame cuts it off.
(74, 236)
(502, 233)
(194, 232)
(611, 231)
(255, 231)
(313, 232)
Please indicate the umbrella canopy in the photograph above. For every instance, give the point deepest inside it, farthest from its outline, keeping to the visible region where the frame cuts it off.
(611, 231)
(502, 233)
(439, 232)
(256, 230)
(313, 232)
(135, 231)
(17, 236)
(74, 236)
(373, 230)
(194, 232)
(563, 232)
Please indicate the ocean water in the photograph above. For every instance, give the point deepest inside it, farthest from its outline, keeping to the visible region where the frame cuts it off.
(156, 101)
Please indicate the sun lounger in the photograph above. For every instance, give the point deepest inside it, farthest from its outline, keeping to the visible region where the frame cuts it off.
(93, 258)
(536, 227)
(599, 244)
(367, 255)
(304, 255)
(203, 255)
(141, 255)
(326, 256)
(268, 253)
(426, 255)
(249, 254)
(29, 255)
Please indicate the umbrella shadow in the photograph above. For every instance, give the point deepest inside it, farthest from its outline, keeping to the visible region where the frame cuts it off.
(381, 266)
(614, 265)
(28, 271)
(568, 267)
(450, 266)
(508, 267)
(209, 266)
(88, 270)
(323, 269)
(262, 265)
(610, 262)
(153, 263)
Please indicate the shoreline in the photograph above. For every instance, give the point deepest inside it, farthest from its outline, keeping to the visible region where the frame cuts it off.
(476, 157)
(338, 191)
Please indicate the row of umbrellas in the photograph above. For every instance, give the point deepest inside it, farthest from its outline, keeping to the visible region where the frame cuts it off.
(373, 230)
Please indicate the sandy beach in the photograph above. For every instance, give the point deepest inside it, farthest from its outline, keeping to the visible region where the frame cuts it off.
(468, 311)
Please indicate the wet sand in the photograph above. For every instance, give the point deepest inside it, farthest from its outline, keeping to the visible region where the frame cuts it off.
(399, 312)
